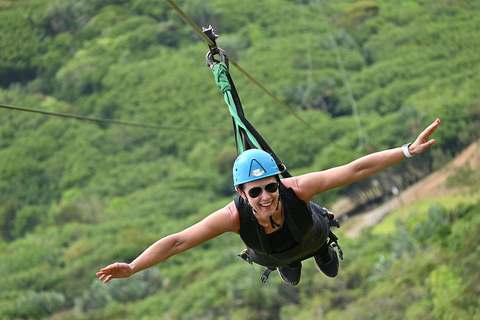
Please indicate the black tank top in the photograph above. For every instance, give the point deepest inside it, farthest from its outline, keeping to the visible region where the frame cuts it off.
(281, 240)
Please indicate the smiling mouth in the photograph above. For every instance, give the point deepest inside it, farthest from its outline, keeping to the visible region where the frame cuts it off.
(267, 204)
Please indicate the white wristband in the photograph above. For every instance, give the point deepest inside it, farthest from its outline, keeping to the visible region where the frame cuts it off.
(405, 150)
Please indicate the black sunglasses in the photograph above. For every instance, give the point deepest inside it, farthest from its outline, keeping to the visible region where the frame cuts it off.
(256, 191)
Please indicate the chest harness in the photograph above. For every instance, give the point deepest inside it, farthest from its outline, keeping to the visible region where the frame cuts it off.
(309, 226)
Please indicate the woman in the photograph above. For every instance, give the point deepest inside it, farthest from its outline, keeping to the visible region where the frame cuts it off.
(269, 214)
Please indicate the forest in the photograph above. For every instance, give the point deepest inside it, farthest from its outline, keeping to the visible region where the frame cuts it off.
(367, 75)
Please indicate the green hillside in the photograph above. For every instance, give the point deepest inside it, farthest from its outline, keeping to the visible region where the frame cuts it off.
(78, 195)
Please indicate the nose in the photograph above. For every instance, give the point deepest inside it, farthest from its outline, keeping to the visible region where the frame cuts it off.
(265, 194)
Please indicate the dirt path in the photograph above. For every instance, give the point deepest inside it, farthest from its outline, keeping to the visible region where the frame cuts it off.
(429, 188)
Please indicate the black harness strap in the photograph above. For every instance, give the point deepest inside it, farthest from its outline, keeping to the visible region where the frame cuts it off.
(246, 141)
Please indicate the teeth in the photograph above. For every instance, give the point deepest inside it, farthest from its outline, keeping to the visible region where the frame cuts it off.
(266, 204)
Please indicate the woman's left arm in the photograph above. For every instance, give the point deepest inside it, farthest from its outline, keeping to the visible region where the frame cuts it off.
(308, 185)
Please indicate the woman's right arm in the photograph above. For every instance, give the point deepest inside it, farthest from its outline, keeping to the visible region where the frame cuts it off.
(308, 185)
(221, 221)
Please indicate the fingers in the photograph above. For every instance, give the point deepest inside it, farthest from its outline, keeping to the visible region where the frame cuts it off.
(422, 143)
(434, 125)
(429, 130)
(102, 275)
(106, 274)
(105, 277)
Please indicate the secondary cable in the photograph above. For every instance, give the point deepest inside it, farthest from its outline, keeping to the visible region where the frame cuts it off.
(125, 123)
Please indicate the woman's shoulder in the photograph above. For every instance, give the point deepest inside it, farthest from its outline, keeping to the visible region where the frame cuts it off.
(223, 220)
(290, 182)
(293, 184)
(232, 207)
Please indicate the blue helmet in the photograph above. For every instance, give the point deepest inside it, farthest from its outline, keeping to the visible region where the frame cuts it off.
(253, 164)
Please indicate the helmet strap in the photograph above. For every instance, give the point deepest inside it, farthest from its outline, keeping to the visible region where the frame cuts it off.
(273, 223)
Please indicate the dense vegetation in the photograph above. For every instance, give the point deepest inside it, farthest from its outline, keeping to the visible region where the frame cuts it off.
(77, 195)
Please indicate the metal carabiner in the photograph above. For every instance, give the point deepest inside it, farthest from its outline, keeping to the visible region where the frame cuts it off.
(210, 57)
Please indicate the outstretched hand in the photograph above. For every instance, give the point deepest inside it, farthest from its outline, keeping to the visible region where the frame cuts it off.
(422, 143)
(116, 270)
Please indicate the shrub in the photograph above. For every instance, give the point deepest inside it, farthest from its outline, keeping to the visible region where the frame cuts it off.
(68, 16)
(359, 12)
(27, 219)
(20, 45)
(36, 305)
(125, 290)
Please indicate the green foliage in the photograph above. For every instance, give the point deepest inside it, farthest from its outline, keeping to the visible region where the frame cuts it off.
(26, 219)
(34, 305)
(358, 12)
(129, 290)
(201, 12)
(157, 8)
(68, 16)
(59, 50)
(75, 196)
(80, 208)
(435, 227)
(447, 289)
(105, 19)
(21, 47)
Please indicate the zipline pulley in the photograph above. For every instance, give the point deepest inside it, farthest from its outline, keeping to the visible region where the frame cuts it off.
(210, 33)
(214, 50)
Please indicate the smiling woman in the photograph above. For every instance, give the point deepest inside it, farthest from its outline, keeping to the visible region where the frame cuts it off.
(274, 217)
(279, 229)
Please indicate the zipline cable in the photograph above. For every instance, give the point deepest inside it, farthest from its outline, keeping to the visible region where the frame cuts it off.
(191, 23)
(249, 77)
(125, 123)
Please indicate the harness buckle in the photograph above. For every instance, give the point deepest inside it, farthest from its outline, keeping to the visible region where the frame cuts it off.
(334, 223)
(245, 255)
(339, 249)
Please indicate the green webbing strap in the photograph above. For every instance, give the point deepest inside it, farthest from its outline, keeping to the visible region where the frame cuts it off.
(220, 70)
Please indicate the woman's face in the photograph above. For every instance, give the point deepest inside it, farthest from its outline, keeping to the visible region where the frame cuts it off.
(266, 202)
